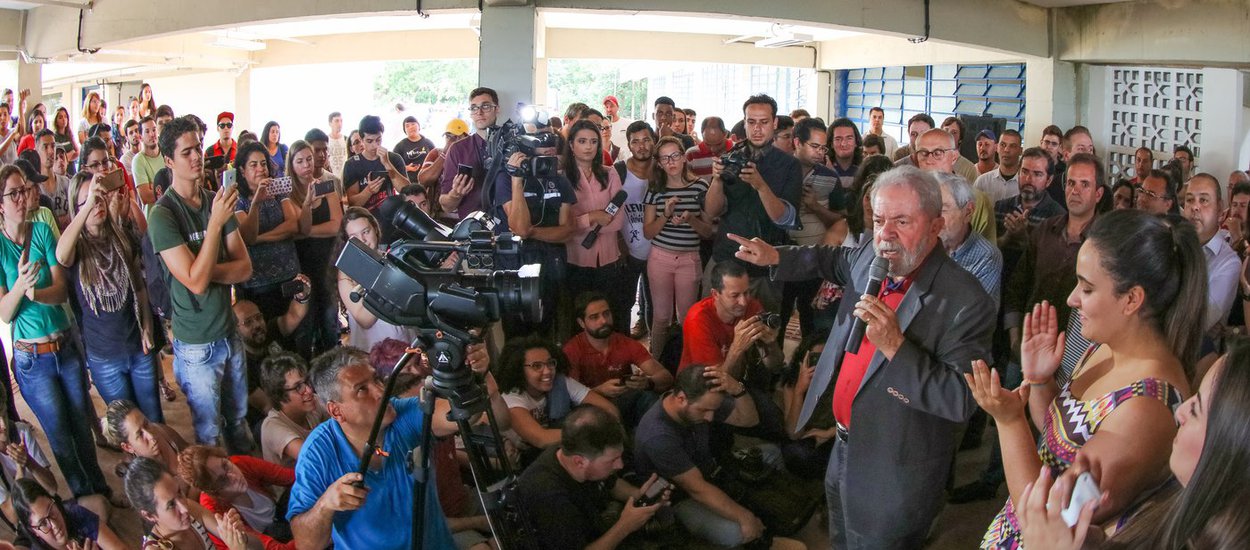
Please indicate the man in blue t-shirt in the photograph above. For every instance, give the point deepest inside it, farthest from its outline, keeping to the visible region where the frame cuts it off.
(326, 504)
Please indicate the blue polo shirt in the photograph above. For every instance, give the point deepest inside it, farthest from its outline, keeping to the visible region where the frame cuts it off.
(385, 520)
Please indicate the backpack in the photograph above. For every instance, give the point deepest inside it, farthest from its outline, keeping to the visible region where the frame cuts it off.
(155, 272)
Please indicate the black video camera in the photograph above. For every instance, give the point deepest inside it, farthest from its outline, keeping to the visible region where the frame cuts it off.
(536, 166)
(732, 163)
(409, 285)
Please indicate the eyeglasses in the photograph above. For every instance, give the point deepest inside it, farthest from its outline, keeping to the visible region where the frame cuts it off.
(19, 192)
(45, 525)
(540, 365)
(671, 159)
(299, 387)
(606, 127)
(100, 165)
(482, 108)
(923, 154)
(818, 147)
(1149, 193)
(224, 125)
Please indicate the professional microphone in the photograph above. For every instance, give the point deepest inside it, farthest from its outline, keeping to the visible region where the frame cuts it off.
(876, 274)
(612, 208)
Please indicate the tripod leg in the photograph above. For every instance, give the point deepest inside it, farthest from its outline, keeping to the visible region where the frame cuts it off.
(421, 473)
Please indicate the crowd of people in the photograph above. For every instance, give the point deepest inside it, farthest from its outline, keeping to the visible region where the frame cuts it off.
(1096, 322)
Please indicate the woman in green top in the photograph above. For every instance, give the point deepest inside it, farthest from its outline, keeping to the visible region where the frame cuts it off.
(49, 371)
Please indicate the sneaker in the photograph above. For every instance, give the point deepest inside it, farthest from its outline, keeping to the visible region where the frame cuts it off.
(976, 491)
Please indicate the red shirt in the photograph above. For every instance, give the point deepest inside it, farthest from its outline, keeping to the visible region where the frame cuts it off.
(855, 365)
(260, 476)
(592, 367)
(705, 338)
(217, 151)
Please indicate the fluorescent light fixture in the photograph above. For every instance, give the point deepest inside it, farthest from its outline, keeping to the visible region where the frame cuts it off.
(237, 43)
(783, 39)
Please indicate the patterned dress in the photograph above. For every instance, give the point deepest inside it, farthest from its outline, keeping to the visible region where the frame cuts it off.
(1068, 425)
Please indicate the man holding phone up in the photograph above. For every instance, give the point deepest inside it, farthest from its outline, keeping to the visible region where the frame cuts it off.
(372, 175)
(195, 233)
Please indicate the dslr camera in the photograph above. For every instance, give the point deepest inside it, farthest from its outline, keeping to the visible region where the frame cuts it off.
(732, 164)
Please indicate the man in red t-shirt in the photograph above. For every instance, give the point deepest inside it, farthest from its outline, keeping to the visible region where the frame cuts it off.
(721, 329)
(611, 363)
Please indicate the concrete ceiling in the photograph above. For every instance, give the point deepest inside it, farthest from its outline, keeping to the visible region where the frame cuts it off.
(1069, 3)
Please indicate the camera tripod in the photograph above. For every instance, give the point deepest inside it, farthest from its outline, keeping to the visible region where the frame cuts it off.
(452, 380)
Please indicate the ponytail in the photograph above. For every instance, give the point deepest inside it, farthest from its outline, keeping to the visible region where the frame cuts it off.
(1165, 259)
(1183, 322)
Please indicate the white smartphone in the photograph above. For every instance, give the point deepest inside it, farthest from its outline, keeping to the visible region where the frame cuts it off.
(228, 179)
(1085, 490)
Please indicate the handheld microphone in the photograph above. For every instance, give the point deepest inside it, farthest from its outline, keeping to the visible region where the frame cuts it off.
(876, 274)
(612, 208)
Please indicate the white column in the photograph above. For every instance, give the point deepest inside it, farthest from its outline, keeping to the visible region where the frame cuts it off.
(510, 46)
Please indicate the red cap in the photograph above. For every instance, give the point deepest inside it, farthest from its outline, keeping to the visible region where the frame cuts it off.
(225, 114)
(613, 99)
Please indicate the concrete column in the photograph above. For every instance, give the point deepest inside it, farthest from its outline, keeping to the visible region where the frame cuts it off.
(1223, 126)
(508, 56)
(30, 77)
(242, 100)
(1050, 97)
(826, 96)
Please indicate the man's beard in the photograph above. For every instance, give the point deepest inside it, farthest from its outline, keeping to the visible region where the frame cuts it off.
(907, 261)
(1028, 193)
(601, 332)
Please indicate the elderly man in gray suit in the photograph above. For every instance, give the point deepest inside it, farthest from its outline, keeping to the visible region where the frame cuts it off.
(899, 400)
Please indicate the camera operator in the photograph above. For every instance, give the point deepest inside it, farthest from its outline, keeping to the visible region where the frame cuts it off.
(566, 490)
(537, 208)
(766, 206)
(330, 501)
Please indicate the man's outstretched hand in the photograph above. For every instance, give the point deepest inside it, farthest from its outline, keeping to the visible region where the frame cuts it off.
(755, 251)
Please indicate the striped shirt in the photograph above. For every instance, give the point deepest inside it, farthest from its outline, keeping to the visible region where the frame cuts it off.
(678, 237)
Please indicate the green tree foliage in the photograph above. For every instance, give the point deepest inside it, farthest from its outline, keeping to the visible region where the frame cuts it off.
(430, 82)
(576, 80)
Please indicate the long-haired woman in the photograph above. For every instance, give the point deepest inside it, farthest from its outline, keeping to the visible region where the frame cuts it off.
(147, 104)
(271, 136)
(366, 329)
(64, 135)
(1210, 461)
(92, 114)
(100, 251)
(268, 224)
(321, 215)
(598, 266)
(1141, 291)
(673, 221)
(49, 371)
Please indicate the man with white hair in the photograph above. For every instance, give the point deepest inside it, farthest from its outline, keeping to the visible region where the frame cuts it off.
(968, 248)
(902, 392)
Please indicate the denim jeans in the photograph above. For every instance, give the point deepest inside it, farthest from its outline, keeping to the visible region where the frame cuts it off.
(214, 380)
(131, 377)
(55, 387)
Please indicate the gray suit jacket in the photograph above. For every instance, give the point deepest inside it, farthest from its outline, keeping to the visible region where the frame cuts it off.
(906, 411)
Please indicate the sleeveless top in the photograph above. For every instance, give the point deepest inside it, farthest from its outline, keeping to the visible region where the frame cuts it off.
(1070, 423)
(151, 542)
